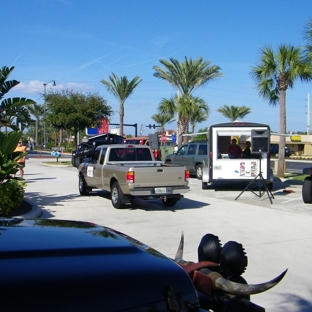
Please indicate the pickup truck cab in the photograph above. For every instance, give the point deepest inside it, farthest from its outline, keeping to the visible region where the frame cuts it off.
(128, 171)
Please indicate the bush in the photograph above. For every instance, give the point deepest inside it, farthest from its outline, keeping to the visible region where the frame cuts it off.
(11, 193)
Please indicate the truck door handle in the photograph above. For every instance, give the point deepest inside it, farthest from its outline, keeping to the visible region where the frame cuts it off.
(160, 170)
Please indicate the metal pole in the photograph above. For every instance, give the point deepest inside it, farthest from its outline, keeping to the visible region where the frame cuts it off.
(44, 121)
(44, 124)
(308, 114)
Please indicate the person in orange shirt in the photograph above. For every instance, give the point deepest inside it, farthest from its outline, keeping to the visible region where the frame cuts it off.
(20, 149)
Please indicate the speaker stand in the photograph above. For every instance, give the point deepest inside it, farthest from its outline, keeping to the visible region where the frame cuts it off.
(259, 178)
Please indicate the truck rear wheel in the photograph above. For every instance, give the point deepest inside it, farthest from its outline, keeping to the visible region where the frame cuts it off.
(170, 202)
(307, 190)
(116, 196)
(84, 189)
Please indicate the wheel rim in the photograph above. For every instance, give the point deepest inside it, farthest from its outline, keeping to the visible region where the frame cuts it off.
(199, 172)
(80, 183)
(115, 195)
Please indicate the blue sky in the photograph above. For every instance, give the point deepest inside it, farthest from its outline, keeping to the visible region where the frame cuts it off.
(78, 43)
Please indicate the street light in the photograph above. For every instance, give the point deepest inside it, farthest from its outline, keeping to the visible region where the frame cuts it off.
(45, 91)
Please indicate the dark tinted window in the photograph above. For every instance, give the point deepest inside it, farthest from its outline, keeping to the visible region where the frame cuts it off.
(103, 156)
(192, 149)
(202, 149)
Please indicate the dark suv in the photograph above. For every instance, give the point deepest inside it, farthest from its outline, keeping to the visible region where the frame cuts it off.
(274, 150)
(85, 149)
(190, 155)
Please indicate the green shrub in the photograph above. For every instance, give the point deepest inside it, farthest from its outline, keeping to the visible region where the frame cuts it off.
(11, 194)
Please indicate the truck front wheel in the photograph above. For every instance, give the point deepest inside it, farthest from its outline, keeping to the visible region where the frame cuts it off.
(307, 190)
(116, 196)
(169, 202)
(84, 189)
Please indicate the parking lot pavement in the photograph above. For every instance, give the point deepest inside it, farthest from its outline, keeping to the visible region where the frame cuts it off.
(275, 236)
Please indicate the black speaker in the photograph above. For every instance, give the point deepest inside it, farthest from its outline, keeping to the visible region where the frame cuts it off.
(260, 141)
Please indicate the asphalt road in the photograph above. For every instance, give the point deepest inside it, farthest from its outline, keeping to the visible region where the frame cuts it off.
(275, 236)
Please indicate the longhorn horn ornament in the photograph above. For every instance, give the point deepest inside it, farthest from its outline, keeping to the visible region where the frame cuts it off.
(217, 281)
(233, 288)
(179, 254)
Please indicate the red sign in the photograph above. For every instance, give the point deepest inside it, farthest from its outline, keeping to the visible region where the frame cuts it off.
(103, 127)
(163, 137)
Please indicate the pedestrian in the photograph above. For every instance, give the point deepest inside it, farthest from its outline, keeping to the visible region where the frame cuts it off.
(19, 150)
(157, 154)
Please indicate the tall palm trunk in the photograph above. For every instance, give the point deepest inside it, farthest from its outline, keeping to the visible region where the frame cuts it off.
(121, 116)
(182, 129)
(281, 152)
(37, 129)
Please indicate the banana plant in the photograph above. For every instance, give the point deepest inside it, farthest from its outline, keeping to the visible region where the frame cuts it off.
(8, 143)
(12, 107)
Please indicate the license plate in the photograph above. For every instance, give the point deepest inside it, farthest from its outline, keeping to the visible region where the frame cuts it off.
(160, 190)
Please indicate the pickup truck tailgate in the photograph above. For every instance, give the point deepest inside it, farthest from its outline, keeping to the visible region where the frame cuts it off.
(160, 176)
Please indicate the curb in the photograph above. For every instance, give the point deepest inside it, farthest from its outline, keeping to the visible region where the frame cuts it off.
(35, 212)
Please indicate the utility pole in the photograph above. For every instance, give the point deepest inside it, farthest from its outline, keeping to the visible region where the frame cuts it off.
(45, 104)
(308, 114)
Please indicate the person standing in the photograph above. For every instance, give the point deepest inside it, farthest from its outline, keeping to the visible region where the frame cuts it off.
(18, 150)
(157, 154)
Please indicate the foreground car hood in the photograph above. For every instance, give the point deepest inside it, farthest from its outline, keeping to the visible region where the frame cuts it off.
(57, 265)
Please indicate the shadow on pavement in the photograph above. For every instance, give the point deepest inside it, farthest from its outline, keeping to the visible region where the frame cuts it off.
(155, 204)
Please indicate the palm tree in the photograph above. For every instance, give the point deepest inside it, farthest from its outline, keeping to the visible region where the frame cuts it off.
(12, 108)
(162, 119)
(307, 35)
(234, 112)
(185, 77)
(276, 73)
(121, 88)
(200, 113)
(38, 111)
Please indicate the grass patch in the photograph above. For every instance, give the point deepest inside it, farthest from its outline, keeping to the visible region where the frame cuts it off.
(58, 163)
(299, 177)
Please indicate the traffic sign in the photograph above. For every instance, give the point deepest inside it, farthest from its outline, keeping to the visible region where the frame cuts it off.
(174, 138)
(163, 137)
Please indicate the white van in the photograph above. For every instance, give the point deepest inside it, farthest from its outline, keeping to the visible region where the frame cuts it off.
(220, 167)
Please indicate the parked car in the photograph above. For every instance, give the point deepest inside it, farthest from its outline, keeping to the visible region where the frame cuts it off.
(190, 155)
(58, 265)
(274, 150)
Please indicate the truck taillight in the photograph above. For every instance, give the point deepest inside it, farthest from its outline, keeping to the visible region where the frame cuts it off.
(210, 154)
(130, 177)
(187, 175)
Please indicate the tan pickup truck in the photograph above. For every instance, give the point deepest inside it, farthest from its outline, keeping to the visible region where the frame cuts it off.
(128, 171)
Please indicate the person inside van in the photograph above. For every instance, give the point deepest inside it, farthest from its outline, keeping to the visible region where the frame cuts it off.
(247, 151)
(234, 150)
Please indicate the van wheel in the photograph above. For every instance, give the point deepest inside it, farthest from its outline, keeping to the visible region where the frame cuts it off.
(170, 202)
(199, 171)
(116, 196)
(84, 189)
(307, 190)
